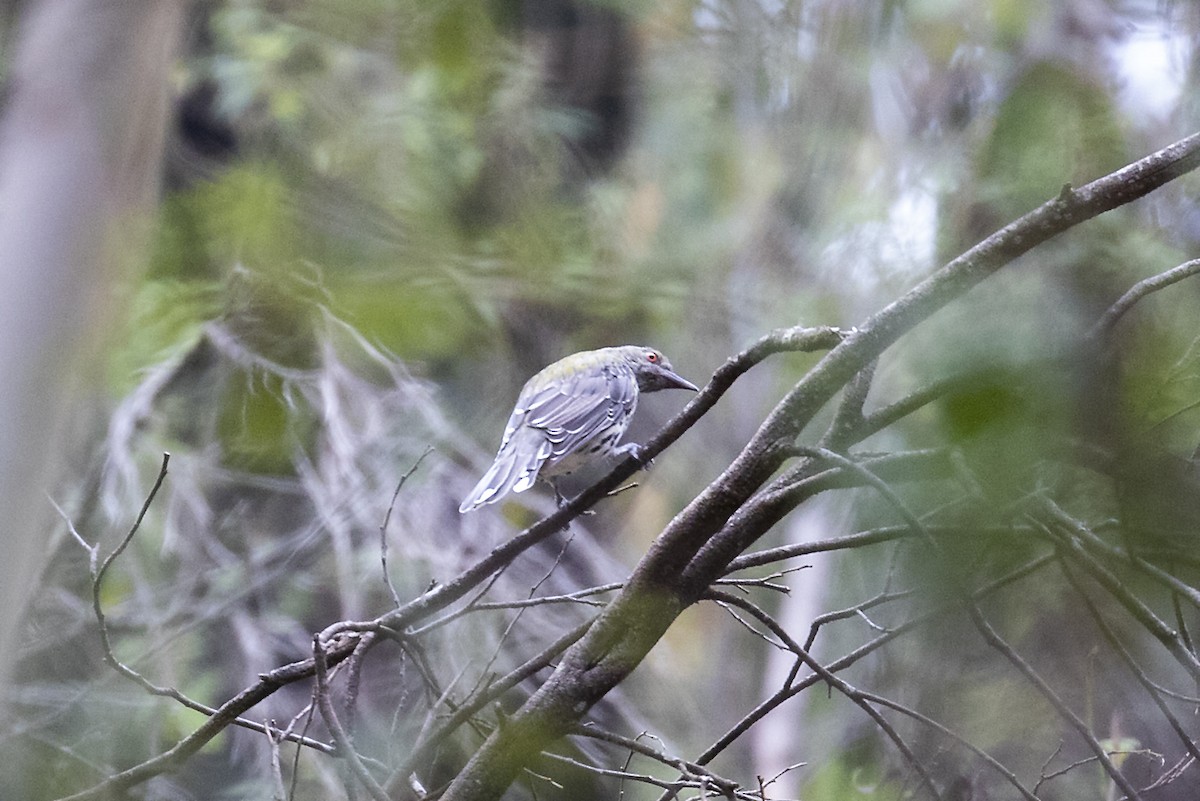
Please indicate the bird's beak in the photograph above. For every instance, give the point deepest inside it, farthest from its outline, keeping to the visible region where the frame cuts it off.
(672, 380)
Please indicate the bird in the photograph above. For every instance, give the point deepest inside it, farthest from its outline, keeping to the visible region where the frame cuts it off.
(572, 412)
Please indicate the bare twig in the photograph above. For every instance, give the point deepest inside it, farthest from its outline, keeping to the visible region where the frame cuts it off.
(353, 681)
(1171, 774)
(1078, 763)
(91, 549)
(98, 581)
(1081, 728)
(858, 610)
(848, 542)
(981, 624)
(278, 789)
(1180, 624)
(582, 597)
(307, 714)
(1145, 616)
(1138, 291)
(842, 686)
(848, 419)
(688, 770)
(994, 763)
(494, 690)
(383, 548)
(700, 783)
(521, 611)
(791, 690)
(1151, 689)
(99, 571)
(340, 737)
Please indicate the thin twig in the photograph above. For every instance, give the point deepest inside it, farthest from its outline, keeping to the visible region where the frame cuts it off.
(353, 681)
(521, 611)
(383, 548)
(994, 763)
(1138, 291)
(427, 742)
(699, 783)
(858, 610)
(1134, 605)
(577, 597)
(278, 790)
(1101, 754)
(847, 542)
(99, 570)
(791, 690)
(1111, 637)
(98, 578)
(981, 624)
(848, 419)
(91, 549)
(688, 770)
(308, 714)
(1172, 774)
(340, 737)
(842, 686)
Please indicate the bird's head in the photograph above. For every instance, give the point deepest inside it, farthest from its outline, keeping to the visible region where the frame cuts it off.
(653, 371)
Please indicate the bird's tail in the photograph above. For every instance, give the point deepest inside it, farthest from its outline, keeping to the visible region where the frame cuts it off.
(515, 470)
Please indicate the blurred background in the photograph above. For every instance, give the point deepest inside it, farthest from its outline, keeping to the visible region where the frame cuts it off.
(376, 219)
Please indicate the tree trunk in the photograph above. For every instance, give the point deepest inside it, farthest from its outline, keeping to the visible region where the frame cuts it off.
(80, 149)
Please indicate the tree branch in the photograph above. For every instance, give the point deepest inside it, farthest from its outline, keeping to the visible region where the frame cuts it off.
(1141, 289)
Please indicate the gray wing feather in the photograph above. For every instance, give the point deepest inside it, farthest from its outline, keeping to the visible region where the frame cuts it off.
(580, 409)
(514, 470)
(550, 423)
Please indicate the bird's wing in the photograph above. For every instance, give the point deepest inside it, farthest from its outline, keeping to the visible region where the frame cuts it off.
(514, 470)
(570, 412)
(550, 422)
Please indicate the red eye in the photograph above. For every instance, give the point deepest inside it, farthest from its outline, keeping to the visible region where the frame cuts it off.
(652, 357)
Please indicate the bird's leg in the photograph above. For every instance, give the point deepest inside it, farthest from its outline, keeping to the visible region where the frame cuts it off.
(635, 450)
(560, 499)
